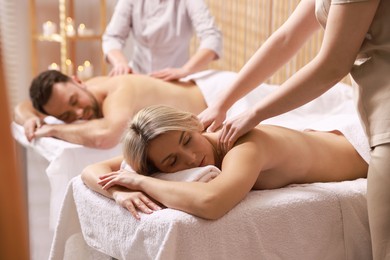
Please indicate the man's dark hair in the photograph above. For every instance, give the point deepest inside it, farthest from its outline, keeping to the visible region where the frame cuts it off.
(42, 85)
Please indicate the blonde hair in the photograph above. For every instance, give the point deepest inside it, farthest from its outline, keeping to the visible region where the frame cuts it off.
(146, 125)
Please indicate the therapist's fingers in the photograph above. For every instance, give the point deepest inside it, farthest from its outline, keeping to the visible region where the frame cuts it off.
(213, 127)
(226, 139)
(211, 120)
(120, 69)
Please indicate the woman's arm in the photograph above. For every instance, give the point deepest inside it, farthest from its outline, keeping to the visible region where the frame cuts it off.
(345, 31)
(344, 34)
(278, 49)
(240, 170)
(131, 200)
(90, 174)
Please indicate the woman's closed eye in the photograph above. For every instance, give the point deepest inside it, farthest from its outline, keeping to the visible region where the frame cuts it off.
(187, 139)
(73, 101)
(173, 161)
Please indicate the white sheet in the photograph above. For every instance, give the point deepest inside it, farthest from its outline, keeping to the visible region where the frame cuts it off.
(67, 160)
(312, 221)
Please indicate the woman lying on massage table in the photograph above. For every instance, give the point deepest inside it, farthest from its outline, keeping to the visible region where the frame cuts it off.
(164, 139)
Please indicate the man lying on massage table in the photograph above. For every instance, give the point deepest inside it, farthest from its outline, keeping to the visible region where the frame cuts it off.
(103, 104)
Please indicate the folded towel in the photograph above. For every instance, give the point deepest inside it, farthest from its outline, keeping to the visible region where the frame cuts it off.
(201, 174)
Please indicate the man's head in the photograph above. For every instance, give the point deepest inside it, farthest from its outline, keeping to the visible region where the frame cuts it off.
(42, 86)
(67, 99)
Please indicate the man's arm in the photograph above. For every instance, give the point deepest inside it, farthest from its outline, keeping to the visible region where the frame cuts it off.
(28, 117)
(24, 111)
(97, 133)
(102, 133)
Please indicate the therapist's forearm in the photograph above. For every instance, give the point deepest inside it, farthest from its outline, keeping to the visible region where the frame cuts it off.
(200, 60)
(262, 65)
(307, 84)
(116, 57)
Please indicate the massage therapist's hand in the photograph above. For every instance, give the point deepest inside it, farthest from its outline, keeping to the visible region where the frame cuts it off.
(236, 127)
(120, 69)
(212, 118)
(169, 74)
(134, 201)
(31, 126)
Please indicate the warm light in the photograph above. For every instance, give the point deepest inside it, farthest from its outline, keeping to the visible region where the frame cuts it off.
(53, 66)
(49, 28)
(69, 67)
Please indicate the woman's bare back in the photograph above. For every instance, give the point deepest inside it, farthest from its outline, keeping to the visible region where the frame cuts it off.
(305, 157)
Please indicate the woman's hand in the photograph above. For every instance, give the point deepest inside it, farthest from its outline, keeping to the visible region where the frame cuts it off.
(131, 200)
(212, 118)
(135, 201)
(169, 74)
(236, 127)
(122, 178)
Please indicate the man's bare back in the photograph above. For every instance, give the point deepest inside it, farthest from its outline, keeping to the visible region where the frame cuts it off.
(141, 91)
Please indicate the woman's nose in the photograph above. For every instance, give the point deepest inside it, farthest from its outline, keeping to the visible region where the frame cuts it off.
(191, 158)
(79, 113)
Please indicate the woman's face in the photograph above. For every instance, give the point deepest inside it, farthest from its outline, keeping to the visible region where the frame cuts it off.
(179, 150)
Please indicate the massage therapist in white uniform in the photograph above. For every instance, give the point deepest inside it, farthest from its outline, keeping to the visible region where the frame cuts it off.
(356, 41)
(161, 31)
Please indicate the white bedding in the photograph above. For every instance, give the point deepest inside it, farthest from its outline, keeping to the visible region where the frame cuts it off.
(312, 221)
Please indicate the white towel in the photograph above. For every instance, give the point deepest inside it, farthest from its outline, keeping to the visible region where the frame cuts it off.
(202, 174)
(310, 221)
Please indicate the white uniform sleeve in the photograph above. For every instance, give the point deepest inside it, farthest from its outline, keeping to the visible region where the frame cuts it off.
(205, 27)
(119, 27)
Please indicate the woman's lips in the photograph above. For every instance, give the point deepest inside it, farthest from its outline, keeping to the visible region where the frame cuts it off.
(202, 162)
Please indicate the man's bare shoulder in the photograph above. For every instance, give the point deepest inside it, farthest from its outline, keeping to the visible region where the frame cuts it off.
(97, 80)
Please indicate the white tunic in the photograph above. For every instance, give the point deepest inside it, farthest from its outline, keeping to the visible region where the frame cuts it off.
(162, 30)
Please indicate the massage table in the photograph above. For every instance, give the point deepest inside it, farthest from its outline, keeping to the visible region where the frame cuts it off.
(311, 221)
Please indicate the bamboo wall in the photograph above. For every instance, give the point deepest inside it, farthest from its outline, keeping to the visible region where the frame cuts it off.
(246, 24)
